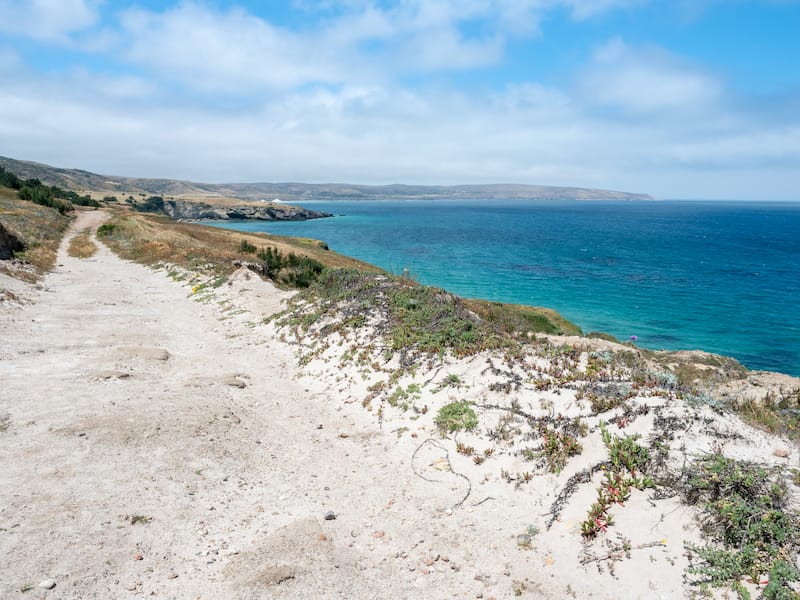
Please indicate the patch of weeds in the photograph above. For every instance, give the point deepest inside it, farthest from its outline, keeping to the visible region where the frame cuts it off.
(289, 269)
(404, 398)
(143, 519)
(558, 447)
(106, 229)
(456, 416)
(462, 448)
(753, 533)
(247, 247)
(628, 461)
(777, 415)
(452, 380)
(81, 245)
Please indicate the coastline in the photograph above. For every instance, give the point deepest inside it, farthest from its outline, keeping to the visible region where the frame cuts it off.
(665, 302)
(225, 437)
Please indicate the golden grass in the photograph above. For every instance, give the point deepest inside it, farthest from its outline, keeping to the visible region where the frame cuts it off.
(153, 239)
(520, 321)
(38, 227)
(82, 246)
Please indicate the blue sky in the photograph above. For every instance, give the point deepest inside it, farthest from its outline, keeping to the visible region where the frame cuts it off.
(681, 98)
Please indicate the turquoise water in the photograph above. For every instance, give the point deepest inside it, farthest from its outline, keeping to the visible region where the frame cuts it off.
(722, 277)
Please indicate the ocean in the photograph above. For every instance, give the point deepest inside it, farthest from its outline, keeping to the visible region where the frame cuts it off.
(717, 276)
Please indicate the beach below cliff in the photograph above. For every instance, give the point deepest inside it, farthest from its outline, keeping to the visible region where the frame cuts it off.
(166, 435)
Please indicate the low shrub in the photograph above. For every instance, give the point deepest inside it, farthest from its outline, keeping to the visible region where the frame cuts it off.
(745, 514)
(456, 416)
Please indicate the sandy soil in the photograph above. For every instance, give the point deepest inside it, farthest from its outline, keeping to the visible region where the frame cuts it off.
(159, 441)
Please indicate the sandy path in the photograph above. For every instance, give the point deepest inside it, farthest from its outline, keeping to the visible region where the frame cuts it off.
(117, 401)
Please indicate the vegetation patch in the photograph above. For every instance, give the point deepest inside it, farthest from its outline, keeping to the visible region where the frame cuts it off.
(754, 536)
(522, 322)
(628, 460)
(780, 416)
(153, 239)
(414, 319)
(52, 196)
(558, 447)
(81, 245)
(456, 416)
(38, 231)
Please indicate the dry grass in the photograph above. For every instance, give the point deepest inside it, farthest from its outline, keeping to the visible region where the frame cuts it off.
(152, 239)
(521, 321)
(82, 246)
(38, 227)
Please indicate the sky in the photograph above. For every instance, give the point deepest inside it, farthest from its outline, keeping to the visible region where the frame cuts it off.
(680, 99)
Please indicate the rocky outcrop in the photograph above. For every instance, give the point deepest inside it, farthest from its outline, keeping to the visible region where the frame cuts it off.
(9, 244)
(182, 210)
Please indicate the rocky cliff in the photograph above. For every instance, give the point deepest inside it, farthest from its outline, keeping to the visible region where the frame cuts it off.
(182, 210)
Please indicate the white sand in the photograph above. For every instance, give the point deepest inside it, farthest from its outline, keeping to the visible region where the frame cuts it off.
(125, 394)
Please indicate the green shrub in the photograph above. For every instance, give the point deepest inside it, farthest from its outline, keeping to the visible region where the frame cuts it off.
(456, 416)
(746, 516)
(289, 269)
(106, 229)
(558, 447)
(247, 247)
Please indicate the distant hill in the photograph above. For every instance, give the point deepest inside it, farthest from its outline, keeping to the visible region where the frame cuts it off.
(84, 181)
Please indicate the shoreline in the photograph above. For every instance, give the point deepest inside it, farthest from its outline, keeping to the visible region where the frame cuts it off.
(225, 438)
(640, 332)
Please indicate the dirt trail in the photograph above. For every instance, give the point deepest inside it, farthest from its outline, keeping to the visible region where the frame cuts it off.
(154, 445)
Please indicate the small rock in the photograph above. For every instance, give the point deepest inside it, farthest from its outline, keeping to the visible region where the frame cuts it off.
(523, 539)
(138, 556)
(48, 584)
(781, 452)
(234, 381)
(378, 534)
(322, 537)
(330, 515)
(172, 575)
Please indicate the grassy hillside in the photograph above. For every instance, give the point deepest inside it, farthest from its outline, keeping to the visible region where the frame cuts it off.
(152, 239)
(38, 228)
(84, 181)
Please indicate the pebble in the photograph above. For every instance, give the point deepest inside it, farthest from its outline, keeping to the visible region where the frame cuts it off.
(138, 556)
(523, 539)
(48, 584)
(378, 534)
(330, 515)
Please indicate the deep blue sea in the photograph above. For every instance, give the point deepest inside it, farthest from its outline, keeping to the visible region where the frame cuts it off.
(717, 276)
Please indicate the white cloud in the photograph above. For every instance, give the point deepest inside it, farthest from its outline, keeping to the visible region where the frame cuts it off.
(647, 80)
(326, 104)
(233, 51)
(584, 9)
(47, 20)
(224, 51)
